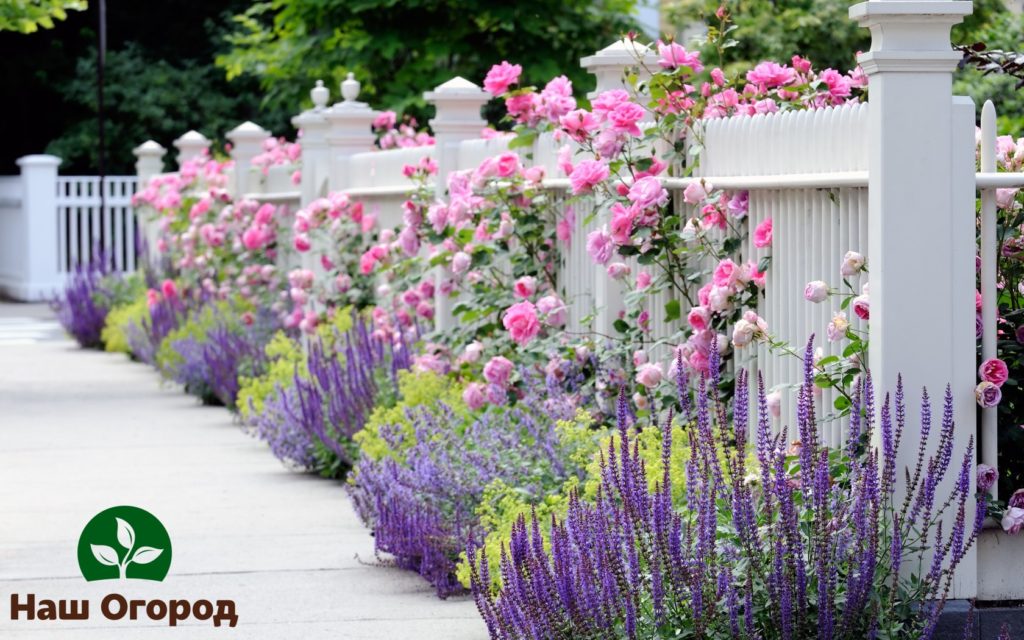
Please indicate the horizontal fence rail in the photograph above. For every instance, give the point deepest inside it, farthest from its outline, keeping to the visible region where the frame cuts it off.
(86, 233)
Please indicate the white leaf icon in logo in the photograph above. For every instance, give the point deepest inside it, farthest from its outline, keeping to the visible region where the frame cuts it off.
(104, 555)
(145, 555)
(125, 534)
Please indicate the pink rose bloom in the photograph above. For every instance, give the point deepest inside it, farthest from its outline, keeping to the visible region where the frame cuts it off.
(771, 74)
(507, 165)
(553, 310)
(525, 287)
(696, 192)
(252, 238)
(521, 322)
(618, 270)
(987, 477)
(763, 234)
(853, 263)
(366, 263)
(816, 291)
(497, 371)
(994, 370)
(474, 396)
(409, 241)
(461, 262)
(501, 76)
(1017, 499)
(726, 274)
(607, 101)
(775, 403)
(473, 351)
(1013, 520)
(624, 118)
(862, 307)
(579, 124)
(622, 223)
(649, 375)
(987, 394)
(587, 175)
(643, 280)
(425, 310)
(302, 243)
(647, 193)
(169, 289)
(600, 246)
(699, 318)
(1006, 198)
(837, 328)
(673, 56)
(838, 84)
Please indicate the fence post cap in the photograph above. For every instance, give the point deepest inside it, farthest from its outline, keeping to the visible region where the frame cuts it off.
(620, 52)
(458, 88)
(191, 137)
(319, 95)
(149, 148)
(38, 160)
(248, 130)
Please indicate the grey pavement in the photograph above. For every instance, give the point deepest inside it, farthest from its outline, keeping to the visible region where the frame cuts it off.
(81, 431)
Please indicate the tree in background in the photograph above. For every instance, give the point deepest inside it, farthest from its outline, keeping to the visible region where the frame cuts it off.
(398, 50)
(28, 16)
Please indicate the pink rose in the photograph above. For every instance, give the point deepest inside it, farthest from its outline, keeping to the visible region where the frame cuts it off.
(525, 287)
(461, 262)
(507, 165)
(474, 396)
(771, 74)
(473, 351)
(600, 246)
(987, 477)
(521, 322)
(622, 223)
(553, 310)
(696, 192)
(816, 291)
(497, 371)
(302, 243)
(649, 375)
(1017, 499)
(587, 175)
(500, 77)
(618, 270)
(699, 318)
(726, 274)
(579, 124)
(1013, 520)
(853, 263)
(775, 403)
(862, 307)
(987, 394)
(624, 118)
(673, 56)
(647, 193)
(994, 370)
(763, 234)
(643, 280)
(169, 289)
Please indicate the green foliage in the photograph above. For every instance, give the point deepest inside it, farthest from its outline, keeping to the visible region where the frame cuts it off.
(284, 356)
(28, 16)
(398, 50)
(1004, 32)
(132, 311)
(416, 389)
(147, 98)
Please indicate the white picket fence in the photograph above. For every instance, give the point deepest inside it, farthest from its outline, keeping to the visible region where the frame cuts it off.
(894, 180)
(50, 223)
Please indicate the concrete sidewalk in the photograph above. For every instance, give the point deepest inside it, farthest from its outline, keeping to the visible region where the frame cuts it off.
(82, 431)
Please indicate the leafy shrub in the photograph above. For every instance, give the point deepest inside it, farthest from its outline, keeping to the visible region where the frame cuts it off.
(90, 294)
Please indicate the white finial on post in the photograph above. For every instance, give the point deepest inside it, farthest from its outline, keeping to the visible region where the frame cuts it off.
(150, 161)
(316, 159)
(349, 131)
(458, 103)
(246, 143)
(609, 64)
(191, 144)
(921, 184)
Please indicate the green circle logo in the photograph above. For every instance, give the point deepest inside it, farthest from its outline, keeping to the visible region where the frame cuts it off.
(124, 543)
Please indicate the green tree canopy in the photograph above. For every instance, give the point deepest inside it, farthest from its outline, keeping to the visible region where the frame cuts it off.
(27, 16)
(400, 48)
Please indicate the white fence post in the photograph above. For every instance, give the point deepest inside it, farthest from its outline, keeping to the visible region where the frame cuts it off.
(40, 277)
(608, 66)
(458, 103)
(149, 161)
(921, 224)
(246, 143)
(349, 132)
(316, 158)
(191, 144)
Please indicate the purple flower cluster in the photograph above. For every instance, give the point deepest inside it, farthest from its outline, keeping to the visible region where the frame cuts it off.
(422, 508)
(276, 426)
(83, 305)
(165, 315)
(807, 543)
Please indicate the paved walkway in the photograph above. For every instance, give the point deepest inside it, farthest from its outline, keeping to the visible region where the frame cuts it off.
(82, 431)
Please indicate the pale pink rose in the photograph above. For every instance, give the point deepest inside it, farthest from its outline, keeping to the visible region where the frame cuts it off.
(473, 351)
(1013, 520)
(497, 371)
(507, 165)
(343, 282)
(816, 291)
(553, 310)
(994, 370)
(500, 77)
(1017, 499)
(600, 246)
(699, 318)
(640, 401)
(474, 395)
(837, 328)
(408, 241)
(775, 403)
(853, 263)
(672, 55)
(525, 287)
(861, 306)
(763, 234)
(521, 322)
(587, 175)
(461, 262)
(987, 394)
(639, 357)
(643, 280)
(743, 333)
(649, 375)
(696, 192)
(647, 193)
(986, 477)
(618, 270)
(1006, 198)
